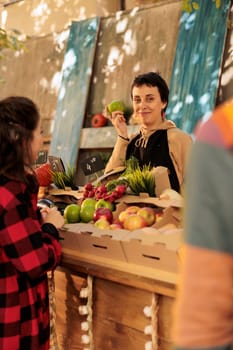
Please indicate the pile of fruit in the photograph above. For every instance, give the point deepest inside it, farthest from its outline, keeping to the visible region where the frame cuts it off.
(101, 214)
(96, 202)
(98, 207)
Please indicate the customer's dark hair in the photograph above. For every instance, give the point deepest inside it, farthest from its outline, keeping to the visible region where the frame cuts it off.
(152, 79)
(19, 117)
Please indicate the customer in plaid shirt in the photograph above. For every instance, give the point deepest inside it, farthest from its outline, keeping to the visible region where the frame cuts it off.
(29, 245)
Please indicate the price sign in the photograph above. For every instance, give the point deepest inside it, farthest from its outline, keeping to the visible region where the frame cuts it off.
(56, 164)
(42, 157)
(92, 164)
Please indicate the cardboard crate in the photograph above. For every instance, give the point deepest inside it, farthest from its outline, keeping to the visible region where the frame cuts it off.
(69, 239)
(145, 199)
(93, 241)
(149, 247)
(146, 247)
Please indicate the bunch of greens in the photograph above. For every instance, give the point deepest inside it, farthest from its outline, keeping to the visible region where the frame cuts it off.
(63, 179)
(138, 179)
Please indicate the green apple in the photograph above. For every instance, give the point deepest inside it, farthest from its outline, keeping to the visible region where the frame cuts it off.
(103, 203)
(88, 202)
(87, 210)
(86, 214)
(72, 213)
(116, 106)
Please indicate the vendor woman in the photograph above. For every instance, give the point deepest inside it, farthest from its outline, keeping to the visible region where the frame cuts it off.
(158, 142)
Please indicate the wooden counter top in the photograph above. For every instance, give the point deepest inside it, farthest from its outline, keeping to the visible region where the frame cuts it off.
(142, 277)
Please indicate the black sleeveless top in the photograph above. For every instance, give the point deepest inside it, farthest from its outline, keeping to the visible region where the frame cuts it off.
(156, 153)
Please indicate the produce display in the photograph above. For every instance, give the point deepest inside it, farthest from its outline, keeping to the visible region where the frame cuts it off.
(99, 206)
(103, 204)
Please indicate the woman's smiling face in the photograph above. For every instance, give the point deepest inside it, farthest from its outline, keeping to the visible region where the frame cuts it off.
(147, 105)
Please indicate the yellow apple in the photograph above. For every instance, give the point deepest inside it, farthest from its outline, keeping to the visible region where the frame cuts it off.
(102, 223)
(148, 214)
(134, 222)
(116, 226)
(123, 215)
(132, 209)
(158, 216)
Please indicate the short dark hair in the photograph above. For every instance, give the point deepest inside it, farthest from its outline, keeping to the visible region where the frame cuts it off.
(152, 79)
(19, 117)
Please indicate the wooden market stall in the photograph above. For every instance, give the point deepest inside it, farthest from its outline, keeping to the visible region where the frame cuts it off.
(108, 297)
(131, 306)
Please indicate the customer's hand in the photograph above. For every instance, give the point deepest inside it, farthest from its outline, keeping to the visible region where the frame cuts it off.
(52, 216)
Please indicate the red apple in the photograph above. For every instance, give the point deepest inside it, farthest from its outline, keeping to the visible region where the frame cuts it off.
(134, 222)
(98, 120)
(148, 214)
(105, 213)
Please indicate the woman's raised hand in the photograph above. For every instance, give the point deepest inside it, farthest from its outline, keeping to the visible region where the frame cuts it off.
(119, 122)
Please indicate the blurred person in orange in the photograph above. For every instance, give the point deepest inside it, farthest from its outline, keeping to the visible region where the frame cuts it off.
(203, 317)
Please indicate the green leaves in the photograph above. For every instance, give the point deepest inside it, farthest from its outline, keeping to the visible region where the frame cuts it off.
(64, 179)
(10, 40)
(139, 180)
(189, 5)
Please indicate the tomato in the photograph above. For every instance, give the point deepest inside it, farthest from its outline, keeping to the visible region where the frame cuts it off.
(43, 174)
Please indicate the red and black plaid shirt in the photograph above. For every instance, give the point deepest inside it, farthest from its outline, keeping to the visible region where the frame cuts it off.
(26, 255)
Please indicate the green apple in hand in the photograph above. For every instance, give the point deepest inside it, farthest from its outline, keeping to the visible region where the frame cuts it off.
(116, 106)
